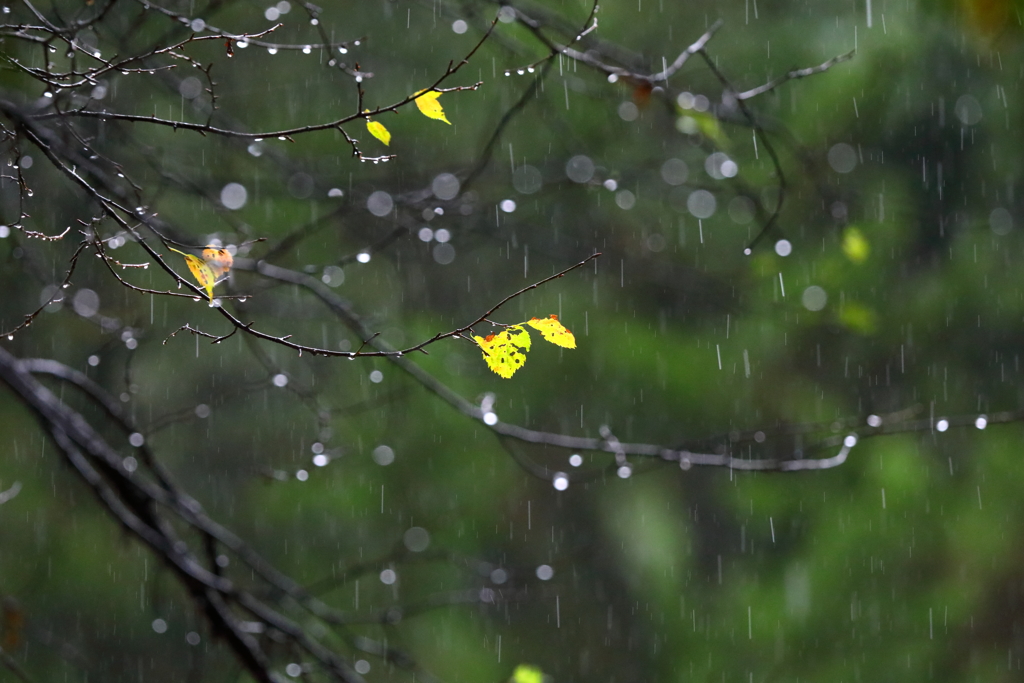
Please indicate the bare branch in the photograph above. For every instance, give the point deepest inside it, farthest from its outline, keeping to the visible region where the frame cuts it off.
(795, 74)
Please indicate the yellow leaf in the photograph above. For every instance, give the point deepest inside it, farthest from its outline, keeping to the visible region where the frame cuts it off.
(502, 351)
(859, 318)
(219, 260)
(200, 271)
(525, 673)
(855, 245)
(430, 107)
(378, 130)
(553, 331)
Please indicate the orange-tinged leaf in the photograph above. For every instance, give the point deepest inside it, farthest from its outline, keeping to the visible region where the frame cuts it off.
(200, 271)
(642, 93)
(502, 352)
(13, 624)
(430, 107)
(554, 331)
(219, 260)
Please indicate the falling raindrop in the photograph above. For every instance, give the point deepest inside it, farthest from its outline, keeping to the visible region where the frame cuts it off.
(628, 111)
(527, 179)
(580, 169)
(814, 298)
(701, 204)
(842, 158)
(383, 455)
(1001, 221)
(674, 171)
(380, 203)
(444, 253)
(234, 196)
(625, 199)
(416, 539)
(333, 276)
(445, 186)
(968, 110)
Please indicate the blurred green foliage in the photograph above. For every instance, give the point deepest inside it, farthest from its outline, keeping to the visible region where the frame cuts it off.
(904, 563)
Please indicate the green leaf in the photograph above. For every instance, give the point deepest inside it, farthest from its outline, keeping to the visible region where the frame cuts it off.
(694, 122)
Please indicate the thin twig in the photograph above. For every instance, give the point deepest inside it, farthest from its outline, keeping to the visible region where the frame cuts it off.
(795, 74)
